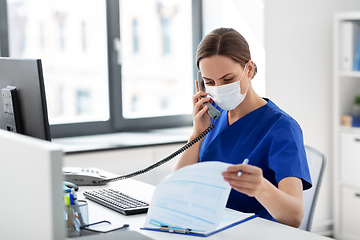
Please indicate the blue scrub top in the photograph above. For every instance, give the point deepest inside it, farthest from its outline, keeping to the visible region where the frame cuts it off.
(270, 139)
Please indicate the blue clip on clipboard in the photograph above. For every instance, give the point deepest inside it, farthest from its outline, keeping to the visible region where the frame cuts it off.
(200, 234)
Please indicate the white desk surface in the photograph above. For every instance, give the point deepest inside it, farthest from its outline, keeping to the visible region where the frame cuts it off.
(257, 228)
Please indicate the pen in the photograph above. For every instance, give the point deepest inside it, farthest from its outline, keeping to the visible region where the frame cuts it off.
(71, 199)
(67, 200)
(246, 161)
(69, 212)
(76, 201)
(172, 230)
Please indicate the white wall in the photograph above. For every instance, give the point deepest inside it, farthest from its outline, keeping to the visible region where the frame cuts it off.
(298, 49)
(247, 17)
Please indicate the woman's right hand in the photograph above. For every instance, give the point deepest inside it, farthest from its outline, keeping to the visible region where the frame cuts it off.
(200, 116)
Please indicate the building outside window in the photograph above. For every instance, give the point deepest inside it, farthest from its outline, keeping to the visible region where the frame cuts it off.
(165, 24)
(83, 102)
(135, 36)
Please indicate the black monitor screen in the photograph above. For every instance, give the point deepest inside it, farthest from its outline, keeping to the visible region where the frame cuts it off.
(25, 75)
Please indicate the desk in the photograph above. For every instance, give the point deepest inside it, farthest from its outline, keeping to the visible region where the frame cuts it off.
(257, 228)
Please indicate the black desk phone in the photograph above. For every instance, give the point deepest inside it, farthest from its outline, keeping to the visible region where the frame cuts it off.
(94, 177)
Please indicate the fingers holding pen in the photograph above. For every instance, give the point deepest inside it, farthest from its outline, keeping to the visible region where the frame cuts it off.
(232, 172)
(249, 182)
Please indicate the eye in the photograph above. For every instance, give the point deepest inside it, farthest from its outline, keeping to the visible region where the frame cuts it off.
(209, 83)
(228, 79)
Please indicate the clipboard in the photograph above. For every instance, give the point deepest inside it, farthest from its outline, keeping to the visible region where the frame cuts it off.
(242, 217)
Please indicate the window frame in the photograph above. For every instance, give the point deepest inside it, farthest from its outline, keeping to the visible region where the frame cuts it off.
(116, 122)
(4, 36)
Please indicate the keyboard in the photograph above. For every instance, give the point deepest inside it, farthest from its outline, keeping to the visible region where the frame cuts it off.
(117, 201)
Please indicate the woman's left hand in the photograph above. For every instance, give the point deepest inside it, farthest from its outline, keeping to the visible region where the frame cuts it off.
(250, 182)
(284, 202)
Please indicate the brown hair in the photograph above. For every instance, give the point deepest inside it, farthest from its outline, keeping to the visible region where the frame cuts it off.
(225, 42)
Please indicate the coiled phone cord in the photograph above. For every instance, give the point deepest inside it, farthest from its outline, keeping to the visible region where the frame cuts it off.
(157, 164)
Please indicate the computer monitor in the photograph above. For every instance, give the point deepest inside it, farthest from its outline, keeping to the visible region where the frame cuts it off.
(27, 77)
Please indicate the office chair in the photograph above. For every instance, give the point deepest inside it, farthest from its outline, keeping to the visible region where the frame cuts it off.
(316, 162)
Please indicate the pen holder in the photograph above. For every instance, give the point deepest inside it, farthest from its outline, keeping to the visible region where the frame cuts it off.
(75, 217)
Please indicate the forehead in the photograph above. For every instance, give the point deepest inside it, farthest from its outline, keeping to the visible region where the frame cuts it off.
(216, 66)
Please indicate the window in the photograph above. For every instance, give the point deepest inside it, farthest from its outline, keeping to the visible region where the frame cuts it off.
(83, 102)
(55, 32)
(41, 36)
(135, 36)
(84, 36)
(165, 24)
(153, 73)
(108, 65)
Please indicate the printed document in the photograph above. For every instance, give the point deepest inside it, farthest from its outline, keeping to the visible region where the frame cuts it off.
(194, 197)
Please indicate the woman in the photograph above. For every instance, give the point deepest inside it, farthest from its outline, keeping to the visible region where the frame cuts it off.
(249, 127)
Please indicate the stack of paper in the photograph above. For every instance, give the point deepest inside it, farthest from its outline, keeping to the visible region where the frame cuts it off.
(192, 201)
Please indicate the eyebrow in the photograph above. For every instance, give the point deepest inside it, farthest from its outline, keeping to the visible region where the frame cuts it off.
(220, 78)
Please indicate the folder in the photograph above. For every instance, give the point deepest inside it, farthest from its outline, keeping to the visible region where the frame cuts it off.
(349, 35)
(230, 219)
(356, 66)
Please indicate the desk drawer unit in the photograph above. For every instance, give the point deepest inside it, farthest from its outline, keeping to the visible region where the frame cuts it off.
(350, 158)
(350, 213)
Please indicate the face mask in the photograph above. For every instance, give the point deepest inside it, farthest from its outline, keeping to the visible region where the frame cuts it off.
(227, 96)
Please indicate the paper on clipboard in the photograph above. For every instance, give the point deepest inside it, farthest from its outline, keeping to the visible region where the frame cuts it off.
(193, 197)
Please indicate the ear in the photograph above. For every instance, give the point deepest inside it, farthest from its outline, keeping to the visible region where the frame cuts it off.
(251, 68)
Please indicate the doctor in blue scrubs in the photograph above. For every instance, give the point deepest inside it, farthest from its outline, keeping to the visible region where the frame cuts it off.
(250, 127)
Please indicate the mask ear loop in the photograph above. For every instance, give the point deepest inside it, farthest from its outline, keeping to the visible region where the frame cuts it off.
(242, 76)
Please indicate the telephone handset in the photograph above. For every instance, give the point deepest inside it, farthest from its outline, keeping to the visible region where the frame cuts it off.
(88, 180)
(212, 111)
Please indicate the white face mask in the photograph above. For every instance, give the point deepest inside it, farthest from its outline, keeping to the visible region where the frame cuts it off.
(227, 96)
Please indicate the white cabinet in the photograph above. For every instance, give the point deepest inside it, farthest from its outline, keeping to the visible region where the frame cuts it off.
(350, 158)
(346, 151)
(350, 213)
